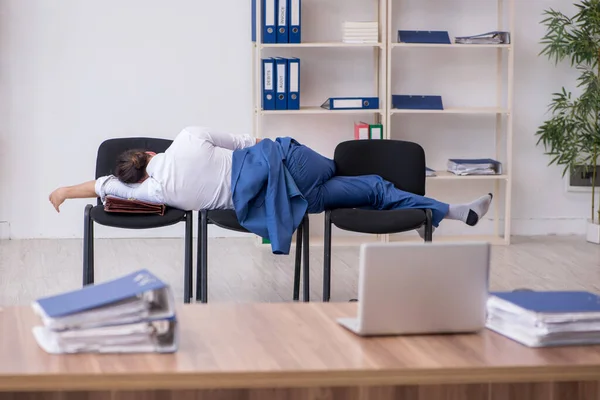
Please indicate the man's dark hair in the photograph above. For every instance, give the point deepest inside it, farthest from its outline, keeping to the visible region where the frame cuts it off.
(131, 166)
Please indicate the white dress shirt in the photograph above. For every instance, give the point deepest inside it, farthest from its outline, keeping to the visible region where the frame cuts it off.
(194, 173)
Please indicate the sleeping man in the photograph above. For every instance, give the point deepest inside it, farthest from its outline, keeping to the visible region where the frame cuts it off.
(270, 184)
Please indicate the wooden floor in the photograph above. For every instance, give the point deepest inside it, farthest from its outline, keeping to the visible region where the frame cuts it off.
(241, 271)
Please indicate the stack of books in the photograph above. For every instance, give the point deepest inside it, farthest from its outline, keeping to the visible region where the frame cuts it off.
(132, 314)
(361, 32)
(542, 319)
(479, 166)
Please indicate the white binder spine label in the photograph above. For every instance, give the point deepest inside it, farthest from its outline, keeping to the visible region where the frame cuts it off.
(294, 78)
(268, 76)
(280, 78)
(349, 103)
(295, 12)
(270, 12)
(282, 12)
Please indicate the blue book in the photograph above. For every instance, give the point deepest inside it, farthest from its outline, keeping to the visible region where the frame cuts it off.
(293, 102)
(417, 102)
(553, 302)
(351, 103)
(139, 296)
(268, 21)
(281, 84)
(424, 37)
(295, 33)
(268, 84)
(283, 21)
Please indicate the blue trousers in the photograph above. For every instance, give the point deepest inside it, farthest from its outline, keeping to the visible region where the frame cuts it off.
(316, 178)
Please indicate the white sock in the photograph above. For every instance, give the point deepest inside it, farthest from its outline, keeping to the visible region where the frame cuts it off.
(470, 213)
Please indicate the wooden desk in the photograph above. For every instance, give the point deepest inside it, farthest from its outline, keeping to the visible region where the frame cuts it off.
(281, 351)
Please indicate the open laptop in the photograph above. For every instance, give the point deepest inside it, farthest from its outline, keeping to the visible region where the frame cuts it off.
(421, 288)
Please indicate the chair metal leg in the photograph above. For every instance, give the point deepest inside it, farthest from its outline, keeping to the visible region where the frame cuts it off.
(86, 244)
(298, 265)
(188, 261)
(327, 258)
(202, 274)
(428, 226)
(306, 256)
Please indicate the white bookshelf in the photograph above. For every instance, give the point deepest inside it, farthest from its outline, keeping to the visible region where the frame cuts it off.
(501, 57)
(385, 55)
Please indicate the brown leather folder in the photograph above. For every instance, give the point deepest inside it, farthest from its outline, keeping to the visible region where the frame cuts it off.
(131, 206)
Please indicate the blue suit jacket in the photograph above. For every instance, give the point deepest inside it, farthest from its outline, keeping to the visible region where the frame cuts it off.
(265, 197)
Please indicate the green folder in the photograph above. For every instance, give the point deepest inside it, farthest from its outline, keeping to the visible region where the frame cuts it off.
(376, 131)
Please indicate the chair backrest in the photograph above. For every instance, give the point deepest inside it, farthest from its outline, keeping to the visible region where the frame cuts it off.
(109, 150)
(399, 162)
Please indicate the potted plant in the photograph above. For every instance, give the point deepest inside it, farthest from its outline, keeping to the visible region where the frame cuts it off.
(572, 136)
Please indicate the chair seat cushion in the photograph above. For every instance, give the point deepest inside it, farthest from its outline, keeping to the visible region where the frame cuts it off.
(226, 219)
(378, 221)
(136, 221)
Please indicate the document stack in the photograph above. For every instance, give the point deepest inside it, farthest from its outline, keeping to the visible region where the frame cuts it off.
(281, 83)
(132, 314)
(543, 319)
(361, 32)
(496, 37)
(483, 166)
(429, 172)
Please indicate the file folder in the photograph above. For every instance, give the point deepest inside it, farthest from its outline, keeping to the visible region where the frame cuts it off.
(282, 21)
(351, 103)
(293, 102)
(295, 21)
(268, 84)
(361, 131)
(376, 131)
(417, 102)
(281, 65)
(133, 298)
(269, 24)
(427, 37)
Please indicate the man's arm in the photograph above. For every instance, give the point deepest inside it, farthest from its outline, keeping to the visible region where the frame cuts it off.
(81, 191)
(107, 186)
(223, 139)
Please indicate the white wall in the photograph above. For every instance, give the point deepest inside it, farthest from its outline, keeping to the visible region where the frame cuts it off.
(73, 73)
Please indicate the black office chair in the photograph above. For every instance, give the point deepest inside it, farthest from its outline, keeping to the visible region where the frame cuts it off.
(399, 162)
(105, 163)
(227, 219)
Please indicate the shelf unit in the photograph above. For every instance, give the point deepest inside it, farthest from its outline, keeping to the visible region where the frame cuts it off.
(383, 55)
(502, 112)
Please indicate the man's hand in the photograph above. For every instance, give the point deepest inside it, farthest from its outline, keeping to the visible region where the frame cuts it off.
(58, 197)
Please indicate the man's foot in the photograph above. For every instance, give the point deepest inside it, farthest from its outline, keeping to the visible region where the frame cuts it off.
(421, 231)
(471, 213)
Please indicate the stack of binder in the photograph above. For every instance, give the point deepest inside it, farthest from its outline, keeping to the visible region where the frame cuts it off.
(361, 32)
(281, 83)
(365, 131)
(483, 166)
(496, 37)
(280, 21)
(132, 314)
(541, 319)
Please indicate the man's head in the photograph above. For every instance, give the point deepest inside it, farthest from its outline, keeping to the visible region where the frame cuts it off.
(131, 165)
